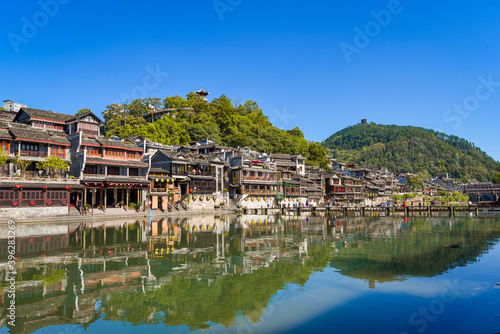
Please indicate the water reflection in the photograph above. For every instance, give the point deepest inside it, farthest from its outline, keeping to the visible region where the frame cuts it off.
(200, 271)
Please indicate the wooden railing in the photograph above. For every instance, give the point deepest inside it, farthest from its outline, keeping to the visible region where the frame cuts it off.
(35, 154)
(90, 132)
(59, 155)
(260, 192)
(257, 178)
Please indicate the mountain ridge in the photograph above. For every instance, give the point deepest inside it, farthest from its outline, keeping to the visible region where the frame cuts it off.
(411, 149)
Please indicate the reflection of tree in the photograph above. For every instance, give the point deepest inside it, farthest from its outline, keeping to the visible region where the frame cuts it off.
(194, 290)
(195, 302)
(427, 250)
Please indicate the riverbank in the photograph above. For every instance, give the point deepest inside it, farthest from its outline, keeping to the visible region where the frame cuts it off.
(117, 213)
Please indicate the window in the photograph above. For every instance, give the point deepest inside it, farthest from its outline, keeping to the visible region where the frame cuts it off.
(113, 170)
(133, 172)
(93, 151)
(4, 145)
(90, 169)
(115, 153)
(29, 147)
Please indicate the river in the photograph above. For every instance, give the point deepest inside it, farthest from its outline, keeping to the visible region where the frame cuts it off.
(256, 274)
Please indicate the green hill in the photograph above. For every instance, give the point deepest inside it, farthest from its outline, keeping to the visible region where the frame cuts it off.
(411, 149)
(192, 119)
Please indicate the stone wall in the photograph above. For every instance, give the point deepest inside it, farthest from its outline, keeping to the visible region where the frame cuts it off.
(301, 199)
(256, 202)
(201, 202)
(35, 213)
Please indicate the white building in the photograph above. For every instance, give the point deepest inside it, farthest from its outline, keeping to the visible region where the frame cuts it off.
(12, 106)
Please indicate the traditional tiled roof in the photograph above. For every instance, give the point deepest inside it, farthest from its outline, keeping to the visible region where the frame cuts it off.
(202, 162)
(38, 135)
(116, 179)
(45, 115)
(5, 134)
(280, 156)
(283, 162)
(78, 117)
(201, 177)
(158, 170)
(90, 141)
(117, 143)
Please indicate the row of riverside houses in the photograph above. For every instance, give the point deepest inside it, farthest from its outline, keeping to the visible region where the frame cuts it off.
(202, 175)
(101, 172)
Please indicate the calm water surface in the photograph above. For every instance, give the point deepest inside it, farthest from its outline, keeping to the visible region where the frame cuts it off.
(257, 274)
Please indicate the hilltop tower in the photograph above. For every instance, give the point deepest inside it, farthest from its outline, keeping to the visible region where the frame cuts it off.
(203, 94)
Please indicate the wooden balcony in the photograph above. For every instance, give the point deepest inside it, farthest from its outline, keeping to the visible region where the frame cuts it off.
(257, 178)
(34, 154)
(90, 132)
(59, 155)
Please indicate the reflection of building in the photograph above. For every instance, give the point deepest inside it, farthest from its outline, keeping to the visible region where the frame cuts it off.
(108, 272)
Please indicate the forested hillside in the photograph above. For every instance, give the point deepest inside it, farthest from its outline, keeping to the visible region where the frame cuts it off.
(192, 118)
(411, 149)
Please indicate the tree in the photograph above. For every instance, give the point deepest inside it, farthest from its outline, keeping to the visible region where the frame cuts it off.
(3, 160)
(83, 111)
(52, 164)
(3, 157)
(496, 178)
(415, 183)
(317, 155)
(21, 163)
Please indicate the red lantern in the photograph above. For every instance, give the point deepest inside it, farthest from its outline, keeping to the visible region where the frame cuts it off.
(18, 186)
(45, 187)
(49, 203)
(68, 187)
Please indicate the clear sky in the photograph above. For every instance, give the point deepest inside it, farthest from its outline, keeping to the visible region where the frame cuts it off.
(319, 65)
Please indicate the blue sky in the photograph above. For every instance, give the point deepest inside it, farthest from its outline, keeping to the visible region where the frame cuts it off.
(319, 65)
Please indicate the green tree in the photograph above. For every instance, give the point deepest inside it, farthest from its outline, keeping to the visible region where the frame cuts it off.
(3, 157)
(83, 111)
(21, 163)
(411, 149)
(193, 118)
(317, 155)
(496, 178)
(52, 164)
(415, 183)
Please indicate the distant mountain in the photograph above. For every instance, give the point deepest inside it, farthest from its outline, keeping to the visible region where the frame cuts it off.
(411, 149)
